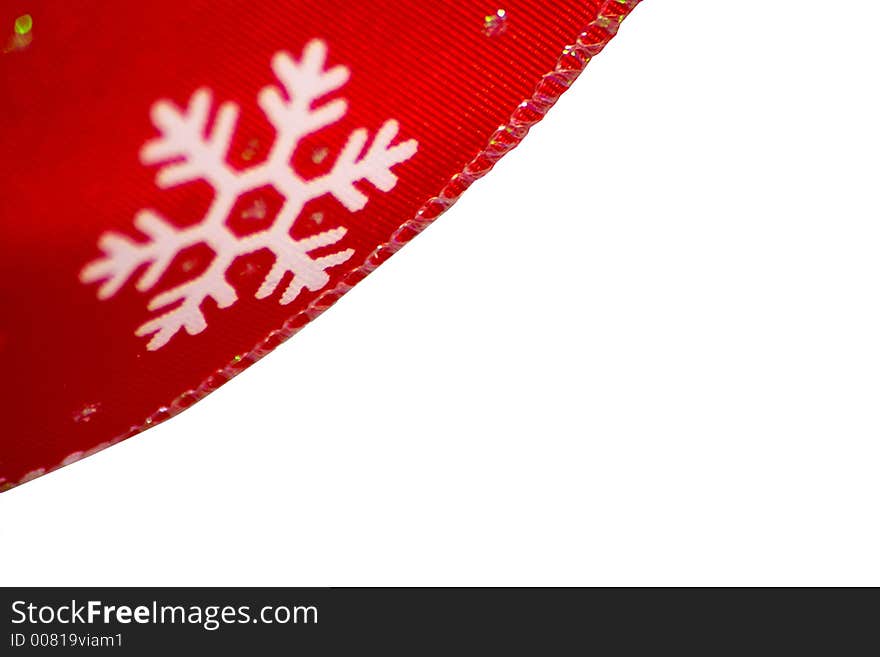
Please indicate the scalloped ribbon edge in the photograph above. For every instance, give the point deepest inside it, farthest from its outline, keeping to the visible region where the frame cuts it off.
(569, 65)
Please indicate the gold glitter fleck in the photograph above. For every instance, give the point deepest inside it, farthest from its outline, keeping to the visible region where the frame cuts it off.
(22, 34)
(495, 24)
(257, 210)
(86, 413)
(250, 151)
(24, 24)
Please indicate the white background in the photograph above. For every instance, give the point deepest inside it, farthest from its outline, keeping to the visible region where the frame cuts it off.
(645, 350)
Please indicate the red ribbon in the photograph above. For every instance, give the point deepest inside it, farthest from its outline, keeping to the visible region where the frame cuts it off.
(185, 185)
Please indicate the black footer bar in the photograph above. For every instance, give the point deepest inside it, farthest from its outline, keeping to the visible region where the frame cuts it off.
(413, 621)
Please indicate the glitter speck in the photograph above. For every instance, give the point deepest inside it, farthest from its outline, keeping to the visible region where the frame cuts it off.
(317, 217)
(250, 269)
(320, 154)
(256, 211)
(24, 24)
(22, 35)
(86, 413)
(252, 147)
(236, 358)
(495, 24)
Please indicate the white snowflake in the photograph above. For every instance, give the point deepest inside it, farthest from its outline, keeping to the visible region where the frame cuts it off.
(190, 149)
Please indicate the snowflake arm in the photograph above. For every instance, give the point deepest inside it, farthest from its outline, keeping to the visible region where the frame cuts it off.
(185, 148)
(321, 264)
(188, 315)
(373, 166)
(304, 82)
(122, 256)
(308, 273)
